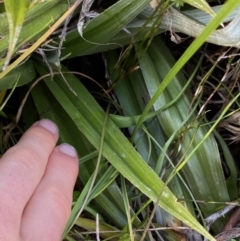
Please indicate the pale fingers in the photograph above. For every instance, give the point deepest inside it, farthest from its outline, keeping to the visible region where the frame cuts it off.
(21, 169)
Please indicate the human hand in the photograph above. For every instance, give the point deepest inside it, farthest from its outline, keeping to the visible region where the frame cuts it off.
(36, 184)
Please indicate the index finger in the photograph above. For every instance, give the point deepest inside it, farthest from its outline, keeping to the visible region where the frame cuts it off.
(21, 169)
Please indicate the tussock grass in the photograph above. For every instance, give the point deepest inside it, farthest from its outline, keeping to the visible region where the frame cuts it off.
(172, 167)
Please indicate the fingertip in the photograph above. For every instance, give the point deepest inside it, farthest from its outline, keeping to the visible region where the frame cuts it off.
(48, 125)
(65, 157)
(67, 150)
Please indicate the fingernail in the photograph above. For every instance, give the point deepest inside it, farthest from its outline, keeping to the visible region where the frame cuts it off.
(48, 125)
(67, 149)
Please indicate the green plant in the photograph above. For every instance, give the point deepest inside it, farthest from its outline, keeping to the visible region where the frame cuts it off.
(155, 101)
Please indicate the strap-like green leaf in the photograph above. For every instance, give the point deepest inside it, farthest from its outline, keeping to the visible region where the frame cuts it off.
(16, 11)
(24, 73)
(89, 118)
(202, 5)
(209, 182)
(106, 25)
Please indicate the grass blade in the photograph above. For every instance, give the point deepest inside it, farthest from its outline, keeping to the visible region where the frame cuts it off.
(107, 24)
(226, 9)
(202, 5)
(89, 117)
(24, 73)
(16, 11)
(203, 172)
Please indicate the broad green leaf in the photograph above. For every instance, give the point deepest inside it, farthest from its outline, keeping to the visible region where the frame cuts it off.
(209, 183)
(24, 73)
(228, 7)
(202, 5)
(88, 117)
(38, 19)
(188, 22)
(16, 11)
(41, 39)
(205, 18)
(108, 204)
(132, 100)
(133, 95)
(231, 180)
(34, 11)
(106, 25)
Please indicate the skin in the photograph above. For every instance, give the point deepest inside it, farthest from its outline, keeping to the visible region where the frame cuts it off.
(36, 185)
